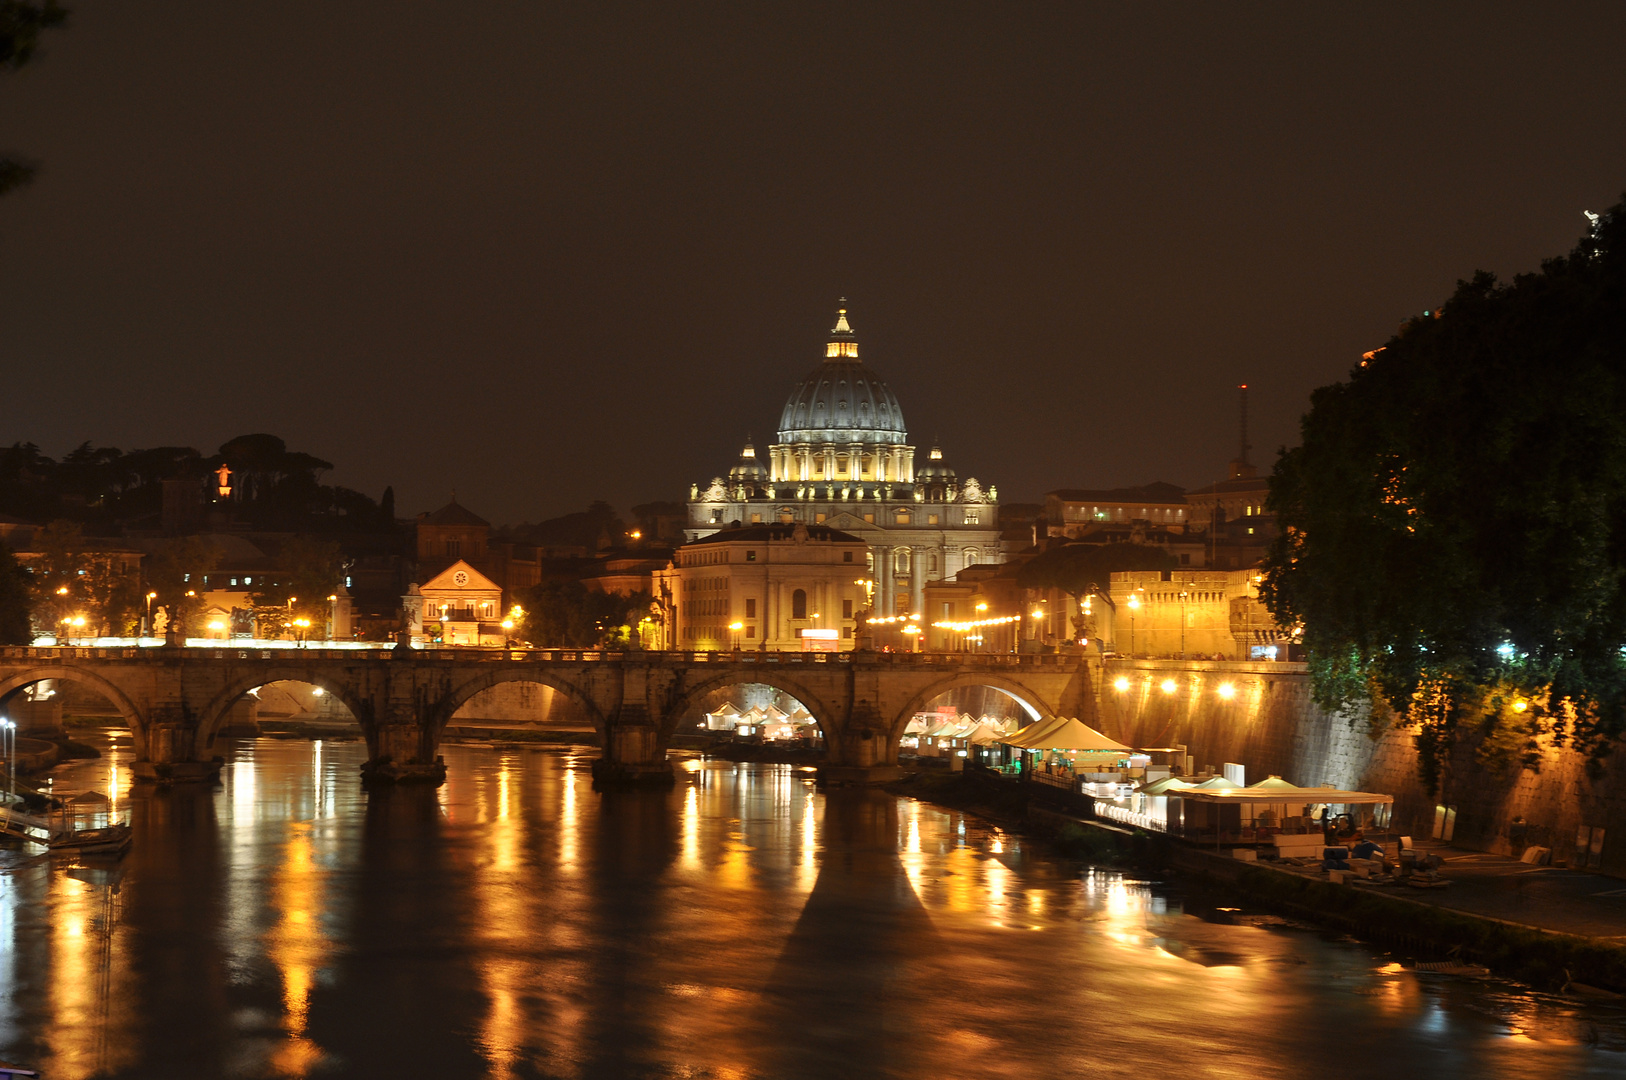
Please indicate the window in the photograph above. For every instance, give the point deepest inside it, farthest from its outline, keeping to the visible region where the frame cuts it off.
(454, 548)
(846, 631)
(234, 581)
(750, 631)
(818, 519)
(716, 517)
(1185, 560)
(971, 556)
(250, 581)
(798, 604)
(972, 518)
(901, 518)
(756, 518)
(750, 556)
(931, 519)
(846, 556)
(933, 564)
(846, 609)
(751, 607)
(786, 517)
(870, 518)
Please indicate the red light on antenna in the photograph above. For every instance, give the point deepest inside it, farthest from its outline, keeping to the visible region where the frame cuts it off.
(1244, 386)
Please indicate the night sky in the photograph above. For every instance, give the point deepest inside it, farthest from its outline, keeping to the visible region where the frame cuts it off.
(545, 253)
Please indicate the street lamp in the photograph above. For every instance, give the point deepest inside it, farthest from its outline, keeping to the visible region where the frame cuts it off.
(303, 625)
(736, 627)
(1134, 606)
(1183, 595)
(150, 598)
(8, 735)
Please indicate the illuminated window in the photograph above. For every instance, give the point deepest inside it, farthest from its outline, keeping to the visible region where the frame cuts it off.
(818, 519)
(756, 519)
(931, 519)
(869, 518)
(901, 518)
(972, 519)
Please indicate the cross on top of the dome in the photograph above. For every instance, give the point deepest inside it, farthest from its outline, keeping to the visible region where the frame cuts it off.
(843, 342)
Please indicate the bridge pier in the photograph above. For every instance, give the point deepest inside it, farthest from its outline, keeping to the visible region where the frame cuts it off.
(403, 751)
(863, 754)
(634, 754)
(166, 751)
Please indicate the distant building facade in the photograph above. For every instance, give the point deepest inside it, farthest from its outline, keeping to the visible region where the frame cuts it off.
(785, 587)
(843, 460)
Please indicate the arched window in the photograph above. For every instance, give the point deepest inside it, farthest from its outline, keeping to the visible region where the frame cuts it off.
(798, 604)
(971, 556)
(934, 564)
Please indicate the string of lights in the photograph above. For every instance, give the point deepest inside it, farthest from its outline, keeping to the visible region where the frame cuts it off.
(976, 623)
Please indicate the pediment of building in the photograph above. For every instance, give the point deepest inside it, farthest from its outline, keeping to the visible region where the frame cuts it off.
(459, 577)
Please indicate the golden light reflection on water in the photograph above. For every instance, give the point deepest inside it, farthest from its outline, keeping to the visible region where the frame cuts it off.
(586, 934)
(84, 1006)
(690, 858)
(297, 946)
(505, 920)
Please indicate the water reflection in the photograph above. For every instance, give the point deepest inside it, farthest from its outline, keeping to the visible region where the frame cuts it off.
(514, 923)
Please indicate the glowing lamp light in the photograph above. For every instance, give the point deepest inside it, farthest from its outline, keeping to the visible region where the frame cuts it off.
(736, 626)
(1120, 684)
(1037, 614)
(1170, 686)
(62, 591)
(1226, 690)
(1520, 706)
(1134, 600)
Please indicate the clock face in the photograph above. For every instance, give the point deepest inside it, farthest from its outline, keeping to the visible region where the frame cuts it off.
(460, 579)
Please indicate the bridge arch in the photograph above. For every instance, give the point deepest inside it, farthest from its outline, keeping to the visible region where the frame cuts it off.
(694, 695)
(214, 713)
(15, 682)
(464, 692)
(1035, 706)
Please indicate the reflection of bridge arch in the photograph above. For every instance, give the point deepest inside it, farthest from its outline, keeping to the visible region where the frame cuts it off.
(1037, 708)
(214, 714)
(695, 695)
(447, 707)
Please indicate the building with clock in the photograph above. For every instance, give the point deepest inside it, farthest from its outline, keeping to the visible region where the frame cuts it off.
(843, 459)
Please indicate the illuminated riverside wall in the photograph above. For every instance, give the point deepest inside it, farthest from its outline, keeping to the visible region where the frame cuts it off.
(1271, 726)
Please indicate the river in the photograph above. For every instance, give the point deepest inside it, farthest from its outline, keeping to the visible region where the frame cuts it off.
(515, 923)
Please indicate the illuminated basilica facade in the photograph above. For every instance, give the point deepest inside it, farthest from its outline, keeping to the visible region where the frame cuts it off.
(843, 459)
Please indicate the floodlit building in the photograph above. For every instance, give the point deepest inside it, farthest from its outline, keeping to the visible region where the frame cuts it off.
(763, 587)
(843, 459)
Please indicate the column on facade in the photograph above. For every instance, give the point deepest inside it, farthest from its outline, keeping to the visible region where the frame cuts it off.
(917, 595)
(882, 575)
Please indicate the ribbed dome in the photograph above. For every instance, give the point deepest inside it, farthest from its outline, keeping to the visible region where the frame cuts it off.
(935, 468)
(842, 401)
(748, 468)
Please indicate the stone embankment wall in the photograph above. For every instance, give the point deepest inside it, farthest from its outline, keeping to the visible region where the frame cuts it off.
(1270, 725)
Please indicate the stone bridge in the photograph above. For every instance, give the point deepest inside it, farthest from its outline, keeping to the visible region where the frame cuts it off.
(176, 699)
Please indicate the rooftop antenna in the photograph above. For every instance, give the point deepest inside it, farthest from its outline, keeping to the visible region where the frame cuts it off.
(1242, 392)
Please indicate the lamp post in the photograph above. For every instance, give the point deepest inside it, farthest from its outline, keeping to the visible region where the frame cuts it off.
(8, 730)
(303, 625)
(735, 628)
(1183, 595)
(147, 626)
(1134, 606)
